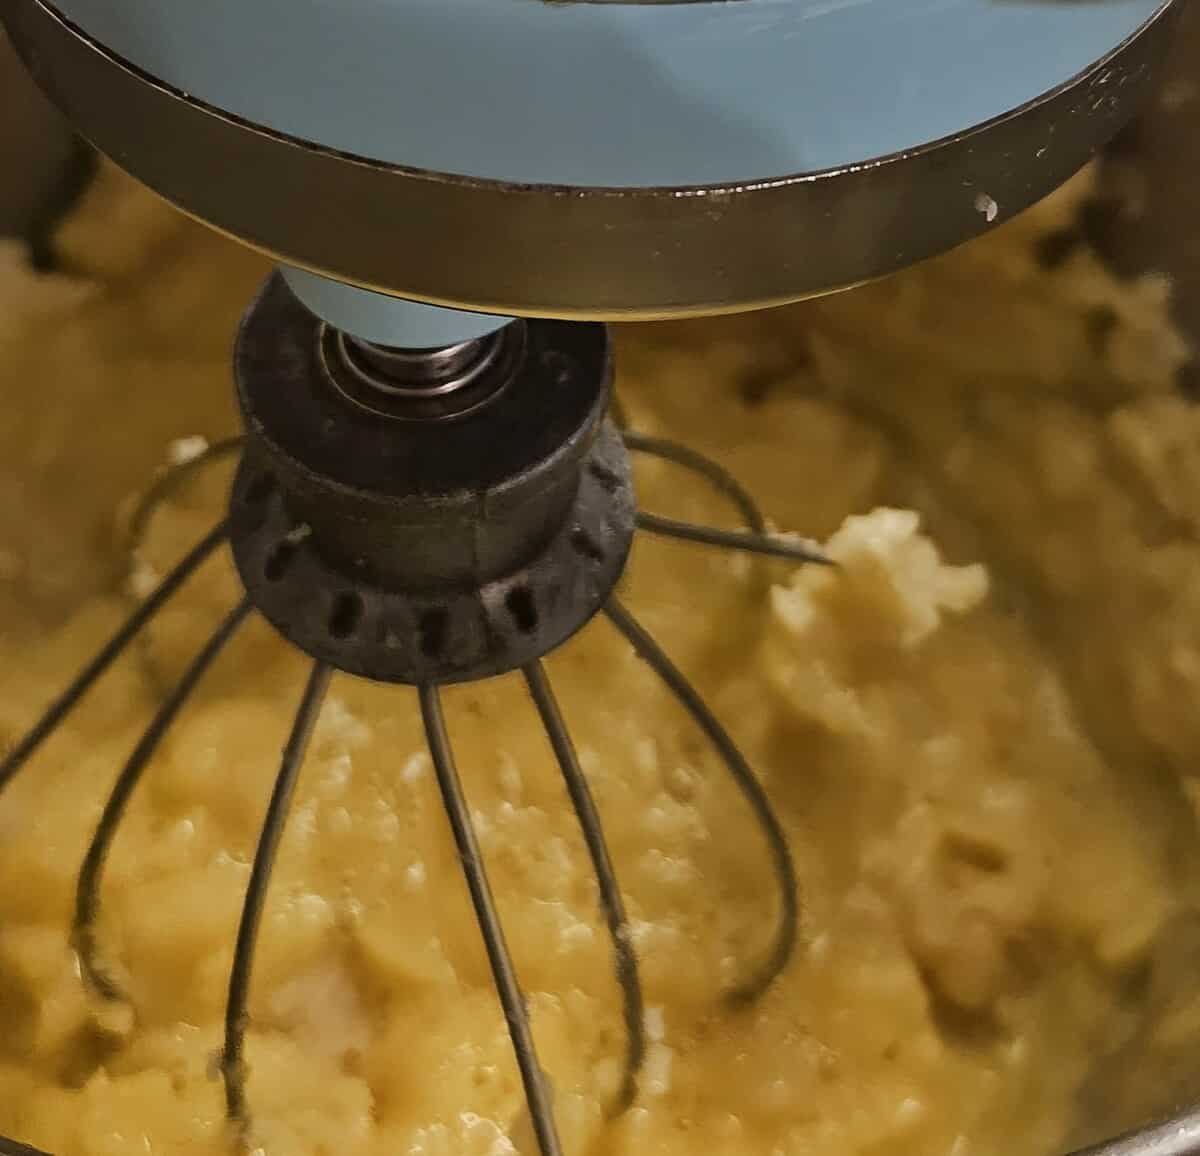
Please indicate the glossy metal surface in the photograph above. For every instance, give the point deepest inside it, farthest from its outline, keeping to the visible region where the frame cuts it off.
(35, 147)
(613, 95)
(1179, 1136)
(593, 252)
(1149, 179)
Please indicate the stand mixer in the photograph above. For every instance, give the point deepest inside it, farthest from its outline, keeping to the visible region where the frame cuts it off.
(458, 195)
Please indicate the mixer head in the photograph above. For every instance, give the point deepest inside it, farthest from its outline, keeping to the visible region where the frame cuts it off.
(432, 492)
(593, 160)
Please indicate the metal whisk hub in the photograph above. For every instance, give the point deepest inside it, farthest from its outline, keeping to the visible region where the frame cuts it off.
(423, 384)
(427, 549)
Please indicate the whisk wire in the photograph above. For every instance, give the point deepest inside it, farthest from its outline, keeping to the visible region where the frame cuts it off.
(537, 1090)
(87, 893)
(713, 472)
(12, 1148)
(610, 892)
(788, 928)
(769, 545)
(169, 482)
(233, 1067)
(754, 540)
(108, 654)
(512, 1000)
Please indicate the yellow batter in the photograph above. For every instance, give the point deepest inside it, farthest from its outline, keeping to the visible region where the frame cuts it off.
(979, 730)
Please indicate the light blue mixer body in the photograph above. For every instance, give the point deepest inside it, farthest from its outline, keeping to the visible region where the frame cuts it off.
(619, 95)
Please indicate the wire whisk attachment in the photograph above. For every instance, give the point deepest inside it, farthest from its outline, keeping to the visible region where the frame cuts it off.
(412, 616)
(233, 1063)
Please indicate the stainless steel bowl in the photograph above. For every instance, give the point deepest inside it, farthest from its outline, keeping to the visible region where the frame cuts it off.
(1152, 168)
(1148, 218)
(35, 147)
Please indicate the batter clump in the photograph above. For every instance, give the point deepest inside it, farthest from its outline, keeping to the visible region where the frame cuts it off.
(979, 729)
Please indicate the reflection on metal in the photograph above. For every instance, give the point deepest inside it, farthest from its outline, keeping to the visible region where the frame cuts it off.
(540, 250)
(1179, 1136)
(35, 149)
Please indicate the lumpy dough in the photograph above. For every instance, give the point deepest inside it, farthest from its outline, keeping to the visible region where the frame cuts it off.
(979, 729)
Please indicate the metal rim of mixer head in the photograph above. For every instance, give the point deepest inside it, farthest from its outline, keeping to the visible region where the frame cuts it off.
(586, 253)
(426, 516)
